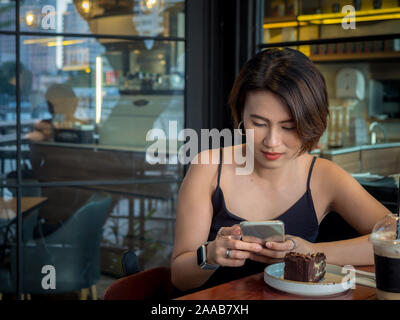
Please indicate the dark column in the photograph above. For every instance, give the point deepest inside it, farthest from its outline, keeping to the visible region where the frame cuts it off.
(220, 38)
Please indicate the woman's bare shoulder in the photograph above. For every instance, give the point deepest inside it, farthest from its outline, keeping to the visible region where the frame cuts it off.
(328, 167)
(329, 174)
(204, 168)
(206, 157)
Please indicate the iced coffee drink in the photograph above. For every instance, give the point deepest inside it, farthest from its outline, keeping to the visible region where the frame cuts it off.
(387, 258)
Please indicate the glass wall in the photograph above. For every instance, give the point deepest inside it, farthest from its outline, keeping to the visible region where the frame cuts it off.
(95, 77)
(7, 15)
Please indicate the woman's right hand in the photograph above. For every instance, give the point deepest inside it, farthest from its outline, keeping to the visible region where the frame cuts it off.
(228, 241)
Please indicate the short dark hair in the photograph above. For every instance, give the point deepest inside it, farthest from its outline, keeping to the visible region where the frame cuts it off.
(291, 76)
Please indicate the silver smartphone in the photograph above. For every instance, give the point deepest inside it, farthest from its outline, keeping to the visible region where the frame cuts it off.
(272, 230)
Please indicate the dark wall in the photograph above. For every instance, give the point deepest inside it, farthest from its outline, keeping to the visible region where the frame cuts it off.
(220, 38)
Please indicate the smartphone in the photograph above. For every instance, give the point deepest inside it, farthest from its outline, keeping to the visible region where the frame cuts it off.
(272, 230)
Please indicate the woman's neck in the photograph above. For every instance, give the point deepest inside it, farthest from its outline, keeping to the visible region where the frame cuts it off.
(280, 175)
(276, 176)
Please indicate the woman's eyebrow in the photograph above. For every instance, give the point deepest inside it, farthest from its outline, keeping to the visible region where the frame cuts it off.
(267, 120)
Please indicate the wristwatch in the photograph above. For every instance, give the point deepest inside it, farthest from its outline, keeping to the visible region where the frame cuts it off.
(202, 258)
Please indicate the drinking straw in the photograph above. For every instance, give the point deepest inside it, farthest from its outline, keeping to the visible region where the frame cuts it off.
(398, 211)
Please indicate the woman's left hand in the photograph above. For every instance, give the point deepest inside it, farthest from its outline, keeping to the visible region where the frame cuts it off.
(273, 252)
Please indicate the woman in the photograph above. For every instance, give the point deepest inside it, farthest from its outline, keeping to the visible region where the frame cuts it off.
(282, 96)
(62, 104)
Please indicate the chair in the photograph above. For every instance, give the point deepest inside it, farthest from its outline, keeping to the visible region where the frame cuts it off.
(150, 284)
(73, 250)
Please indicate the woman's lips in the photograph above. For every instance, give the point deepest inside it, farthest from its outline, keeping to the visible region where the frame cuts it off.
(272, 155)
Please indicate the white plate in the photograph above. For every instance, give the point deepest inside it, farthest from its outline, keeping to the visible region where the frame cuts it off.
(334, 281)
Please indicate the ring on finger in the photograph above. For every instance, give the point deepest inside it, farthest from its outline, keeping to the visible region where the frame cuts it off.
(228, 253)
(294, 243)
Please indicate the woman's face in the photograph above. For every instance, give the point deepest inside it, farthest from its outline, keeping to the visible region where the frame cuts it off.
(275, 136)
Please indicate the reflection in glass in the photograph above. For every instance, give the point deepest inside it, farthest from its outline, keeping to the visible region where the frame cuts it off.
(82, 233)
(113, 92)
(144, 226)
(120, 88)
(31, 200)
(8, 104)
(7, 15)
(70, 249)
(7, 241)
(7, 78)
(96, 100)
(87, 105)
(151, 18)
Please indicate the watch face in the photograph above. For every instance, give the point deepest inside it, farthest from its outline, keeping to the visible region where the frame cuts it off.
(201, 259)
(201, 255)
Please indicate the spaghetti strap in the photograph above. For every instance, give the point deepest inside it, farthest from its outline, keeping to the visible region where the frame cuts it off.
(309, 173)
(220, 166)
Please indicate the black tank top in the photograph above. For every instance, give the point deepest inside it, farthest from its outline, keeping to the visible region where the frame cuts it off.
(300, 220)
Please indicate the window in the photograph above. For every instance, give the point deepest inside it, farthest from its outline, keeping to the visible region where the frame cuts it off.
(94, 78)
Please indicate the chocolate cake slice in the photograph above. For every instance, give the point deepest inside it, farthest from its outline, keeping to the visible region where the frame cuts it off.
(304, 267)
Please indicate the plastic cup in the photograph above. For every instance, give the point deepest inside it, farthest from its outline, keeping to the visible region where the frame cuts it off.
(387, 258)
